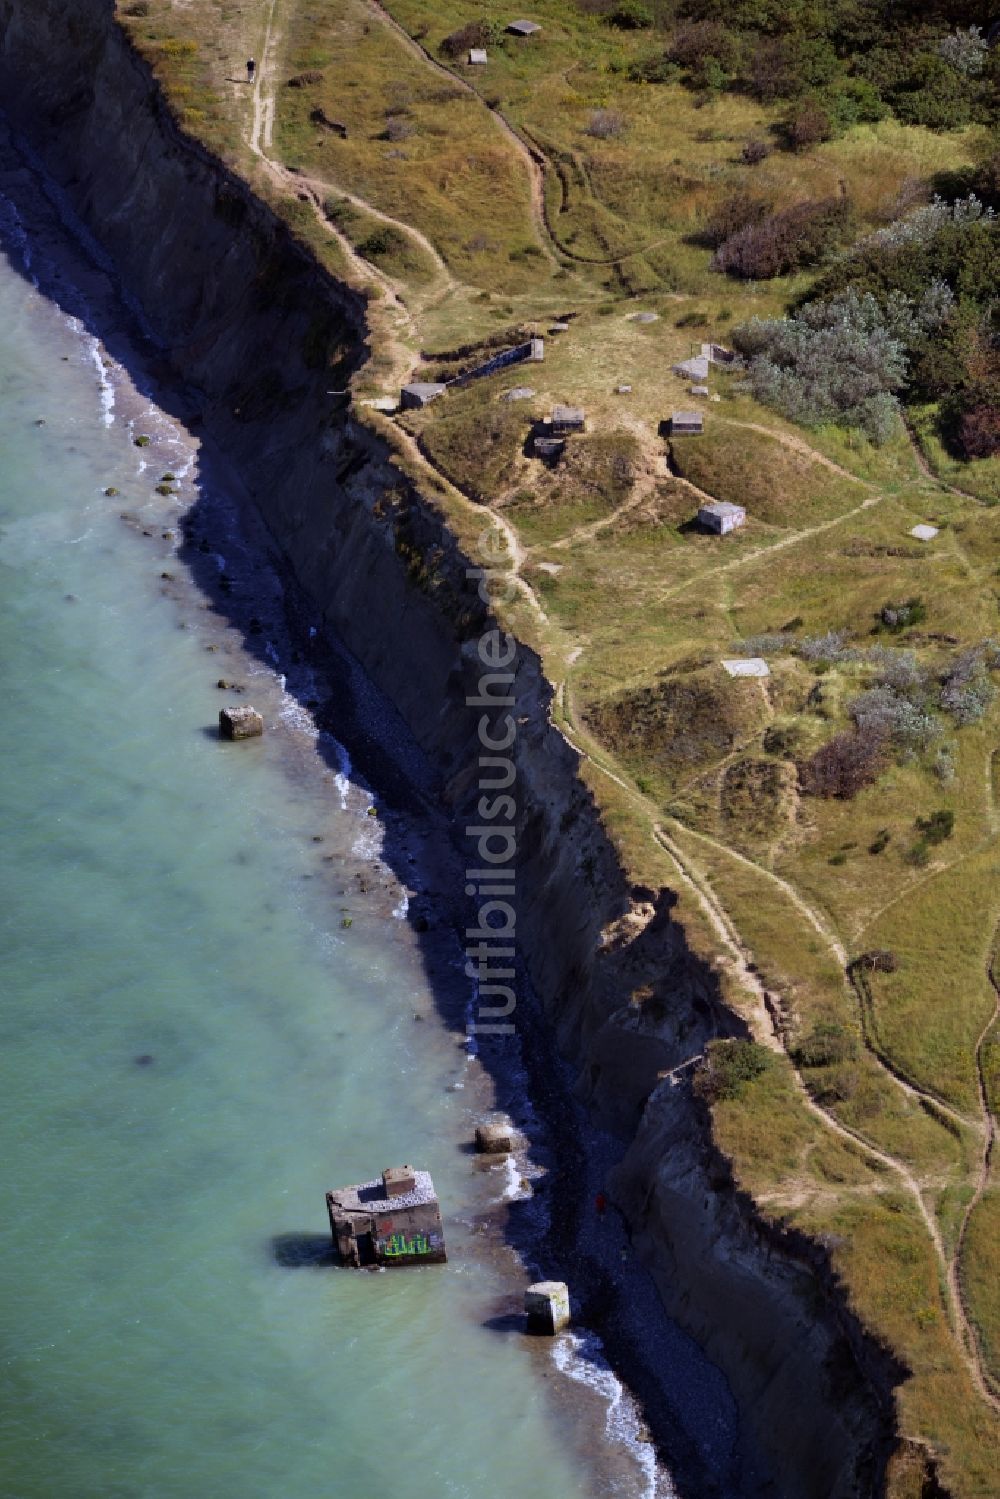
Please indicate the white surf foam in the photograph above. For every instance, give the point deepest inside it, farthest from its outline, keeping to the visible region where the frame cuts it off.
(580, 1356)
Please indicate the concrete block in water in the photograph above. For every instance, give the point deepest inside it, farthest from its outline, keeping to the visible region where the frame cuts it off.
(546, 1305)
(394, 1220)
(495, 1138)
(240, 723)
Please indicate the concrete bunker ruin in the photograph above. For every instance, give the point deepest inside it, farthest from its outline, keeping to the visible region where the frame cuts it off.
(394, 1220)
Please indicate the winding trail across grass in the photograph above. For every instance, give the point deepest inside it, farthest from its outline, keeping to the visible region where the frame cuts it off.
(966, 1341)
(535, 167)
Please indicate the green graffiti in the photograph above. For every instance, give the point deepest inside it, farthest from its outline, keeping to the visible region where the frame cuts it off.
(399, 1245)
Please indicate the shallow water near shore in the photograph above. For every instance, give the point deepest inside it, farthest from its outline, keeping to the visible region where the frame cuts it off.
(193, 1047)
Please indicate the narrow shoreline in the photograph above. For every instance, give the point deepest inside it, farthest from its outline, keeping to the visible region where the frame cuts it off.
(524, 1234)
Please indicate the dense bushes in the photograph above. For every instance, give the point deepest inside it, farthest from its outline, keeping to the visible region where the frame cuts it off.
(730, 1067)
(944, 260)
(777, 243)
(929, 63)
(834, 361)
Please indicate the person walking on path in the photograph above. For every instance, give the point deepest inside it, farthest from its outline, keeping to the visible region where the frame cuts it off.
(251, 69)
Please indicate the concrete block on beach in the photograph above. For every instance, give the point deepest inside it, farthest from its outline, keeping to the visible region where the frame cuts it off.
(240, 723)
(546, 1305)
(495, 1138)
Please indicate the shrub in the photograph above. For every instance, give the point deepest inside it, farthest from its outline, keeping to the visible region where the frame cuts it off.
(702, 48)
(966, 690)
(898, 617)
(762, 645)
(827, 1045)
(830, 647)
(657, 68)
(380, 242)
(900, 670)
(978, 431)
(784, 241)
(730, 1067)
(605, 124)
(844, 765)
(397, 129)
(631, 15)
(937, 827)
(782, 740)
(880, 842)
(932, 93)
(782, 67)
(307, 79)
(879, 960)
(894, 718)
(472, 34)
(807, 124)
(944, 764)
(755, 151)
(965, 51)
(733, 213)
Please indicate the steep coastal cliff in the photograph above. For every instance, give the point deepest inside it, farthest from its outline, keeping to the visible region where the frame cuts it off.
(261, 337)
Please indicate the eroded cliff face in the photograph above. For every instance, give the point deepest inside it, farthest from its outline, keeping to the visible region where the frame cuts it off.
(240, 311)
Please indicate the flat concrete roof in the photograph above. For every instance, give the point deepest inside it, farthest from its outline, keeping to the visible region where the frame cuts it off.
(687, 419)
(477, 54)
(721, 507)
(747, 666)
(924, 533)
(523, 28)
(370, 1197)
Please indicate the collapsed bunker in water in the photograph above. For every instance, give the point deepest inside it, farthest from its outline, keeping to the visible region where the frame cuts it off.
(394, 1220)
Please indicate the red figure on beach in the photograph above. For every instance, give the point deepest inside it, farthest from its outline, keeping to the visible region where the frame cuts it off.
(600, 1203)
(251, 69)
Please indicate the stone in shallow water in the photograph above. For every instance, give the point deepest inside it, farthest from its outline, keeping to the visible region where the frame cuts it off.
(546, 1306)
(240, 723)
(495, 1138)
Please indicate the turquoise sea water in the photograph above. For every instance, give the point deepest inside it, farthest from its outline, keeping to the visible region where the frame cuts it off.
(193, 1049)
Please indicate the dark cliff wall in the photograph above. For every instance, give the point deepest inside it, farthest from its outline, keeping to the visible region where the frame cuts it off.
(239, 310)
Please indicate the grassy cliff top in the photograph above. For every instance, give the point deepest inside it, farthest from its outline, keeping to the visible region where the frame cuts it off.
(831, 827)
